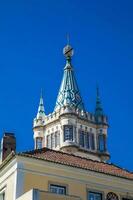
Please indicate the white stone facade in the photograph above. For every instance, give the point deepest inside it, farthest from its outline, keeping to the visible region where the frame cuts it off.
(50, 130)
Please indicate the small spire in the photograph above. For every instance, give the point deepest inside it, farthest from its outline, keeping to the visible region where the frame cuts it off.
(41, 110)
(98, 109)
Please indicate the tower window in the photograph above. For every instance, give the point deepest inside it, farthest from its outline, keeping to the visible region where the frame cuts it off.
(52, 140)
(81, 138)
(38, 143)
(87, 140)
(57, 138)
(49, 141)
(92, 142)
(101, 131)
(68, 133)
(101, 140)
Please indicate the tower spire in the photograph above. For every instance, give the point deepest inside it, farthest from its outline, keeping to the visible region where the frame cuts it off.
(41, 110)
(98, 109)
(69, 93)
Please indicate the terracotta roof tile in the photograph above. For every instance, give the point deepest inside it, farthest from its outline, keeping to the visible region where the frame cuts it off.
(78, 162)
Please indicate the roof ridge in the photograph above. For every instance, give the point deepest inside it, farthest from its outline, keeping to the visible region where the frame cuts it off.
(62, 163)
(61, 152)
(82, 158)
(92, 166)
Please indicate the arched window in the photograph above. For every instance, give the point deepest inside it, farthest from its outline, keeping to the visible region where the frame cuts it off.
(112, 196)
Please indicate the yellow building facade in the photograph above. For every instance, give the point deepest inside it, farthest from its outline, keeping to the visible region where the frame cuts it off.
(29, 176)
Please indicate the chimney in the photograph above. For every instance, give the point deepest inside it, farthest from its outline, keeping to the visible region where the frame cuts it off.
(8, 144)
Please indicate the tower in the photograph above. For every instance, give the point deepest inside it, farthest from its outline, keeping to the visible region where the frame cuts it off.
(70, 128)
(102, 127)
(38, 126)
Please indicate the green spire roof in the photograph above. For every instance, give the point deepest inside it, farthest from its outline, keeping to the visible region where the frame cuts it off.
(69, 92)
(98, 109)
(41, 111)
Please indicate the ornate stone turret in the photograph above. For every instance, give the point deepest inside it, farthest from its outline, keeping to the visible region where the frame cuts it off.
(38, 126)
(41, 111)
(102, 126)
(70, 128)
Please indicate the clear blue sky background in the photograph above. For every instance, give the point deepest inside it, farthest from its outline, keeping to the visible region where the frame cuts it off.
(32, 36)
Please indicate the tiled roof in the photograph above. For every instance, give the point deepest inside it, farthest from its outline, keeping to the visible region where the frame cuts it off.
(69, 93)
(78, 162)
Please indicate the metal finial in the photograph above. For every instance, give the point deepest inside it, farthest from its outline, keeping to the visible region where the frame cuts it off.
(68, 50)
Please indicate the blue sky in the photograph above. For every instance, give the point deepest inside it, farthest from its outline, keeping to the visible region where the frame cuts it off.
(32, 36)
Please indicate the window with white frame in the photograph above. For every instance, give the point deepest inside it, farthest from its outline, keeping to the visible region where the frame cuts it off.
(38, 143)
(81, 138)
(57, 138)
(92, 141)
(94, 196)
(87, 140)
(101, 142)
(68, 133)
(58, 189)
(52, 140)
